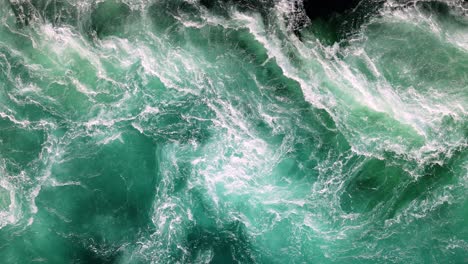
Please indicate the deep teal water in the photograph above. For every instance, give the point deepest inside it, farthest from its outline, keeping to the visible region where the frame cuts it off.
(208, 132)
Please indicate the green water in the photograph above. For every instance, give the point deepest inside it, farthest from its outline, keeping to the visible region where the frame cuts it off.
(141, 131)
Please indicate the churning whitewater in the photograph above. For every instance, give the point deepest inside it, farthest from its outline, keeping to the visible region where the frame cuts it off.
(222, 131)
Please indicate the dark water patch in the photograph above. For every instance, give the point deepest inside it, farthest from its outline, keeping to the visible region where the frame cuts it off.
(317, 141)
(325, 9)
(20, 145)
(335, 21)
(179, 122)
(109, 17)
(90, 256)
(433, 178)
(45, 233)
(445, 11)
(228, 244)
(24, 12)
(164, 15)
(117, 179)
(373, 185)
(223, 7)
(53, 11)
(56, 11)
(181, 177)
(162, 18)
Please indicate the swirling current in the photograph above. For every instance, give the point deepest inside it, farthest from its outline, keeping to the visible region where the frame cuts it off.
(197, 131)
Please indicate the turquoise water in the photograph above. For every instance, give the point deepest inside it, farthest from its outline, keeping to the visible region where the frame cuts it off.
(147, 131)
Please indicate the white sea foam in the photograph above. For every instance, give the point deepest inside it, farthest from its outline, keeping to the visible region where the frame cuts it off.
(12, 213)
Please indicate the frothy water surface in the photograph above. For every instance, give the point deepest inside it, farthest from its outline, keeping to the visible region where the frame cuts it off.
(186, 131)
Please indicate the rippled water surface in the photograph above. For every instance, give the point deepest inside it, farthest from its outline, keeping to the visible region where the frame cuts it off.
(195, 131)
